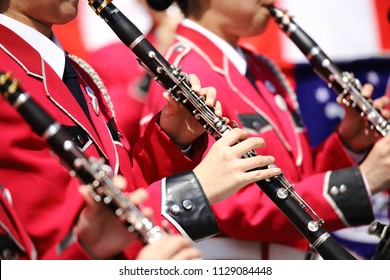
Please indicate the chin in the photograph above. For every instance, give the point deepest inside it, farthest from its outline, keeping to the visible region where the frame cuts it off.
(68, 12)
(254, 32)
(63, 20)
(66, 17)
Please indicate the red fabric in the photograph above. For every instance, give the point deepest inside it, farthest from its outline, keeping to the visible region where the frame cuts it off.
(122, 82)
(249, 214)
(45, 197)
(70, 37)
(10, 225)
(383, 10)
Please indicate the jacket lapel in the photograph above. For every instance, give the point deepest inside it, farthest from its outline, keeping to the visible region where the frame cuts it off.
(60, 95)
(100, 109)
(55, 89)
(236, 81)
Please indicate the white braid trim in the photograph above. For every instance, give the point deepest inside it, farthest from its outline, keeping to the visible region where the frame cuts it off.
(281, 77)
(96, 79)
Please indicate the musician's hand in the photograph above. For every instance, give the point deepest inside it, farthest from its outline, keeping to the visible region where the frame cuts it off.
(376, 166)
(170, 247)
(223, 171)
(354, 130)
(178, 123)
(100, 232)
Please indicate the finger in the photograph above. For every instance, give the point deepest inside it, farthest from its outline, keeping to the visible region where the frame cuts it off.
(345, 102)
(85, 192)
(170, 245)
(256, 162)
(385, 113)
(188, 254)
(138, 196)
(166, 96)
(233, 136)
(340, 100)
(147, 211)
(172, 105)
(381, 102)
(218, 109)
(170, 100)
(260, 174)
(195, 83)
(120, 182)
(367, 90)
(246, 145)
(210, 94)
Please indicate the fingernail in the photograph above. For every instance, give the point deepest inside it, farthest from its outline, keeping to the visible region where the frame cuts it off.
(196, 88)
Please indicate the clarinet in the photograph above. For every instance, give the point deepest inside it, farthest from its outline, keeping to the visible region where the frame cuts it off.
(177, 84)
(90, 171)
(343, 83)
(382, 250)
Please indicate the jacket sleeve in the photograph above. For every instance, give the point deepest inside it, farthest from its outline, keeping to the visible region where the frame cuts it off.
(175, 193)
(340, 197)
(69, 249)
(155, 149)
(14, 241)
(345, 190)
(184, 204)
(344, 187)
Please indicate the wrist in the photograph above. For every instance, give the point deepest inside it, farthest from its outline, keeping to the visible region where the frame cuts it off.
(349, 142)
(83, 239)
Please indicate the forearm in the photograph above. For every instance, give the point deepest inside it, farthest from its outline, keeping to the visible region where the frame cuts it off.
(156, 149)
(251, 215)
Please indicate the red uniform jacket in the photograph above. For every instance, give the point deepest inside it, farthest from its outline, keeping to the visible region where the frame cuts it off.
(45, 197)
(268, 108)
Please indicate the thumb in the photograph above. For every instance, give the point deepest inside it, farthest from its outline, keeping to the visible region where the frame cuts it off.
(172, 105)
(85, 192)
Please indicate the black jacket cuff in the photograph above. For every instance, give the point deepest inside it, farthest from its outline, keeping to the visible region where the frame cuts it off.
(187, 207)
(346, 192)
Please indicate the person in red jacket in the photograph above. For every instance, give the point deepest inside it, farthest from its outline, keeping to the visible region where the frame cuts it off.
(337, 179)
(100, 233)
(126, 80)
(166, 160)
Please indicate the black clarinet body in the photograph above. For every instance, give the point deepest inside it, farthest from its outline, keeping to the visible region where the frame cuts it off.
(382, 231)
(343, 83)
(169, 76)
(279, 190)
(90, 171)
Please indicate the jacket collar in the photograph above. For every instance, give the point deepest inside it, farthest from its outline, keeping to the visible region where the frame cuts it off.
(55, 90)
(234, 55)
(213, 52)
(16, 47)
(221, 63)
(49, 48)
